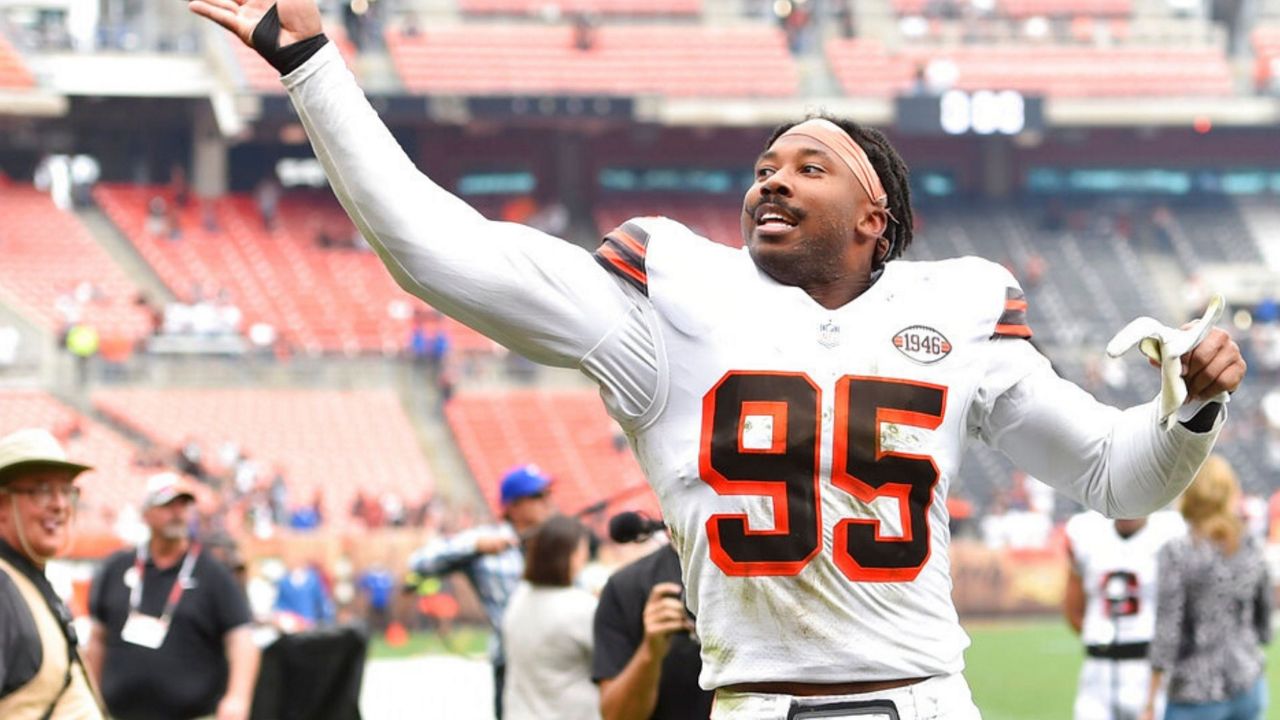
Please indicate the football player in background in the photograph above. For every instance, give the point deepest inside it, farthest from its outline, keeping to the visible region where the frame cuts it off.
(799, 406)
(1110, 604)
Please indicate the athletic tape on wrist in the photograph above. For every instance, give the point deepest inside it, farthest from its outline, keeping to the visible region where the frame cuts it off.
(266, 40)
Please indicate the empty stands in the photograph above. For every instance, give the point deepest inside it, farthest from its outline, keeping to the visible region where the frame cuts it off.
(113, 483)
(594, 7)
(1022, 8)
(47, 255)
(565, 432)
(866, 67)
(716, 218)
(675, 60)
(321, 300)
(14, 74)
(327, 442)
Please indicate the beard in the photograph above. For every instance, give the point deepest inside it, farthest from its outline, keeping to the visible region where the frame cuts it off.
(812, 260)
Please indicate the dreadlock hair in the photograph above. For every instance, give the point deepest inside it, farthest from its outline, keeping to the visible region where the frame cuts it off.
(888, 165)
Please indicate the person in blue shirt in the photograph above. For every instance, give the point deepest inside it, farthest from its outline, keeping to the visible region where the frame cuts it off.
(492, 556)
(302, 593)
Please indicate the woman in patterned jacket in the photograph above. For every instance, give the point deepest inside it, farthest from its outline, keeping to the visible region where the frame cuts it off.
(1213, 609)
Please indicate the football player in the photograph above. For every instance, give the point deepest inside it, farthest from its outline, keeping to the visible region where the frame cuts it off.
(1110, 603)
(800, 406)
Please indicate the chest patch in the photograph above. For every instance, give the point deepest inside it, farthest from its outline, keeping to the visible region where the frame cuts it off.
(922, 344)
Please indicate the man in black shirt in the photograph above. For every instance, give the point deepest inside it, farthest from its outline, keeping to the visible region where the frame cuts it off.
(170, 626)
(646, 659)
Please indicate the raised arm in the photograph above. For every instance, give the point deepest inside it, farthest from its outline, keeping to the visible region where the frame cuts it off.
(542, 297)
(1120, 463)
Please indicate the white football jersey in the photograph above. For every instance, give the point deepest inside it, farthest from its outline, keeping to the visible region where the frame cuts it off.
(1119, 575)
(801, 455)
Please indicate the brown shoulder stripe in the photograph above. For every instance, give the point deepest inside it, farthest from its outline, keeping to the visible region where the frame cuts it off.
(623, 253)
(1013, 321)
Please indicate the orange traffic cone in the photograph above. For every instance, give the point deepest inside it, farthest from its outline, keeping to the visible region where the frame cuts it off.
(396, 635)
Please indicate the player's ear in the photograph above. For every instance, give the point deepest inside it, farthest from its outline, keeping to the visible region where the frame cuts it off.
(873, 224)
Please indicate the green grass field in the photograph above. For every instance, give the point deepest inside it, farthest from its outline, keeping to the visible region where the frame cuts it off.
(1019, 670)
(1027, 670)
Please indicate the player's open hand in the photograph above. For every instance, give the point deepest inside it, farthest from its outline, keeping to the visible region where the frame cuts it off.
(664, 615)
(299, 19)
(1213, 366)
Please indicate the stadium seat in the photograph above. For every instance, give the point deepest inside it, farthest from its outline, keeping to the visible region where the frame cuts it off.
(14, 74)
(329, 443)
(1266, 50)
(565, 432)
(866, 67)
(113, 483)
(47, 253)
(625, 60)
(321, 300)
(595, 7)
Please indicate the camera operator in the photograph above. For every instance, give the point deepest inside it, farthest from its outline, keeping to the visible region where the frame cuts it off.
(646, 657)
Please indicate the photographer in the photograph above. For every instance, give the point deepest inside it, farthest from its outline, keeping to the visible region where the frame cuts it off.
(646, 658)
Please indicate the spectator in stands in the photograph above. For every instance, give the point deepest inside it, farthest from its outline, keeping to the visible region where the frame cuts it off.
(492, 557)
(179, 188)
(547, 629)
(171, 635)
(41, 674)
(584, 31)
(1213, 608)
(209, 217)
(157, 222)
(646, 657)
(267, 196)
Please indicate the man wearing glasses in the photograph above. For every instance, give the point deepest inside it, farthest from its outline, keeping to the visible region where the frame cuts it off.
(41, 675)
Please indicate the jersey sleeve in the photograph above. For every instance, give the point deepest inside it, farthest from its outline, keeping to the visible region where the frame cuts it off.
(1118, 462)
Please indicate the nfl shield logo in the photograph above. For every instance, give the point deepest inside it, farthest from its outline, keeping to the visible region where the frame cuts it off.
(829, 334)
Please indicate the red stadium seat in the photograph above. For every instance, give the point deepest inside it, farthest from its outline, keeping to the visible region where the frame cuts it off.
(48, 253)
(331, 443)
(565, 432)
(1266, 50)
(626, 60)
(321, 300)
(865, 67)
(14, 74)
(595, 7)
(113, 483)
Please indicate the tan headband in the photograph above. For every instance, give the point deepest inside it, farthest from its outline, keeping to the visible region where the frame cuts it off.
(832, 137)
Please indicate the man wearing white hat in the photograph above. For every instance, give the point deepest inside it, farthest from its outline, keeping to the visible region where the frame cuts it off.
(171, 637)
(41, 675)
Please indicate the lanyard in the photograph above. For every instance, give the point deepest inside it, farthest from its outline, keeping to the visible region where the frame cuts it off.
(179, 585)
